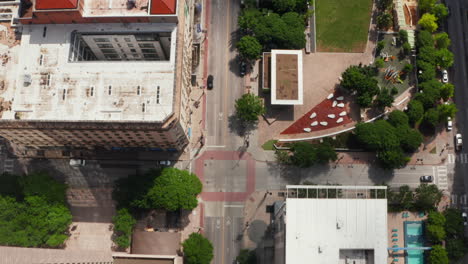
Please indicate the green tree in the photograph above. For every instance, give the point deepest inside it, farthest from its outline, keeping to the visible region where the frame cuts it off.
(360, 80)
(438, 255)
(424, 38)
(282, 6)
(429, 96)
(440, 11)
(393, 158)
(436, 218)
(375, 136)
(431, 117)
(408, 68)
(172, 189)
(325, 153)
(428, 22)
(453, 223)
(428, 54)
(404, 198)
(10, 186)
(384, 5)
(427, 197)
(442, 40)
(398, 118)
(380, 46)
(249, 48)
(249, 19)
(447, 91)
(426, 71)
(403, 35)
(444, 58)
(197, 249)
(41, 184)
(270, 30)
(379, 63)
(426, 5)
(384, 99)
(283, 157)
(384, 21)
(295, 37)
(246, 257)
(123, 227)
(406, 48)
(410, 139)
(249, 107)
(446, 110)
(456, 248)
(436, 233)
(304, 154)
(415, 111)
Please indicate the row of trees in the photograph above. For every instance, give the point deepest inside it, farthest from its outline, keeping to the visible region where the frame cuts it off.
(305, 154)
(390, 139)
(446, 227)
(265, 29)
(425, 198)
(33, 211)
(385, 17)
(433, 13)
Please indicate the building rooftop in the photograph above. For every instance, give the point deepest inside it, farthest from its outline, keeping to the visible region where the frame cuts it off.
(50, 87)
(163, 6)
(56, 4)
(352, 227)
(286, 77)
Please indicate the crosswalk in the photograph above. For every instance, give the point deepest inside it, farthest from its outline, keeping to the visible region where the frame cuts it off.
(442, 181)
(459, 158)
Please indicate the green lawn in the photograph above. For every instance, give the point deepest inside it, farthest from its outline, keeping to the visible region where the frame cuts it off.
(342, 25)
(269, 144)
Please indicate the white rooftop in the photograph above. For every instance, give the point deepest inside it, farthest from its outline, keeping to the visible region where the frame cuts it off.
(68, 95)
(318, 228)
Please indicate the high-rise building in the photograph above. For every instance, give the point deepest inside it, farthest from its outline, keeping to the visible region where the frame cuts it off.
(101, 74)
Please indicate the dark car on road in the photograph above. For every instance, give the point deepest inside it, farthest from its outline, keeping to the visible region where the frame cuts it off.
(426, 178)
(242, 68)
(209, 82)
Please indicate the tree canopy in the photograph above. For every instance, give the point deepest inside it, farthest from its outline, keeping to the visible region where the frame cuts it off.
(384, 99)
(375, 136)
(360, 80)
(410, 139)
(246, 257)
(431, 117)
(440, 11)
(123, 226)
(424, 38)
(446, 110)
(415, 111)
(438, 255)
(453, 223)
(426, 5)
(444, 58)
(249, 48)
(305, 154)
(172, 190)
(197, 249)
(428, 22)
(442, 40)
(398, 118)
(447, 91)
(427, 197)
(426, 71)
(249, 107)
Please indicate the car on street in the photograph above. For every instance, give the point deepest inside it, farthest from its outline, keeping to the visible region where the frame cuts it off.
(165, 162)
(242, 68)
(426, 178)
(458, 141)
(209, 82)
(449, 124)
(444, 76)
(77, 162)
(465, 218)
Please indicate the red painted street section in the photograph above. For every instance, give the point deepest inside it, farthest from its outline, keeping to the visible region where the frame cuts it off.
(227, 155)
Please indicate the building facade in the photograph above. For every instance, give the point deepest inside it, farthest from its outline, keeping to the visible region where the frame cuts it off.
(112, 74)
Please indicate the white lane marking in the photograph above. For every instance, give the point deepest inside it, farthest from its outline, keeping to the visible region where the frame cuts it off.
(451, 158)
(215, 146)
(234, 205)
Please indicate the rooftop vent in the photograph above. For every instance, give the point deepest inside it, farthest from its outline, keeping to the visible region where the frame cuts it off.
(131, 4)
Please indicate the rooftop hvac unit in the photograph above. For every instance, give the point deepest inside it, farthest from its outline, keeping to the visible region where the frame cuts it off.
(131, 4)
(27, 80)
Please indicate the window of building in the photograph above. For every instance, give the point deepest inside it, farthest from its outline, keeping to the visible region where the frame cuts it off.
(138, 90)
(146, 45)
(128, 39)
(151, 56)
(130, 45)
(101, 40)
(104, 46)
(133, 50)
(109, 51)
(148, 50)
(112, 56)
(157, 95)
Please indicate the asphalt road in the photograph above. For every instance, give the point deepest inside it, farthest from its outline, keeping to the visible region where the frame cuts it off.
(457, 25)
(223, 64)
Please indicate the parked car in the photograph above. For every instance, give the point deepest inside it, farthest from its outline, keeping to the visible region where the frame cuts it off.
(444, 76)
(209, 82)
(77, 162)
(242, 68)
(426, 178)
(165, 162)
(458, 142)
(449, 124)
(465, 218)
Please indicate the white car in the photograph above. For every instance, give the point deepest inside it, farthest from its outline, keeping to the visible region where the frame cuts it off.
(465, 218)
(77, 162)
(165, 162)
(449, 124)
(458, 141)
(444, 76)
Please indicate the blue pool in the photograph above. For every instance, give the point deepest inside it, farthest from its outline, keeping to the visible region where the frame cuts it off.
(414, 238)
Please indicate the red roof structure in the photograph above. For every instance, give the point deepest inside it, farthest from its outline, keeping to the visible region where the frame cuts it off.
(162, 7)
(56, 4)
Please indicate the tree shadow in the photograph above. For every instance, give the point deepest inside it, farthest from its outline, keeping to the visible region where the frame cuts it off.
(378, 175)
(240, 127)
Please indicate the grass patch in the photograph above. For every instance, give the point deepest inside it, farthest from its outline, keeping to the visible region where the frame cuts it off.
(269, 145)
(433, 150)
(342, 25)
